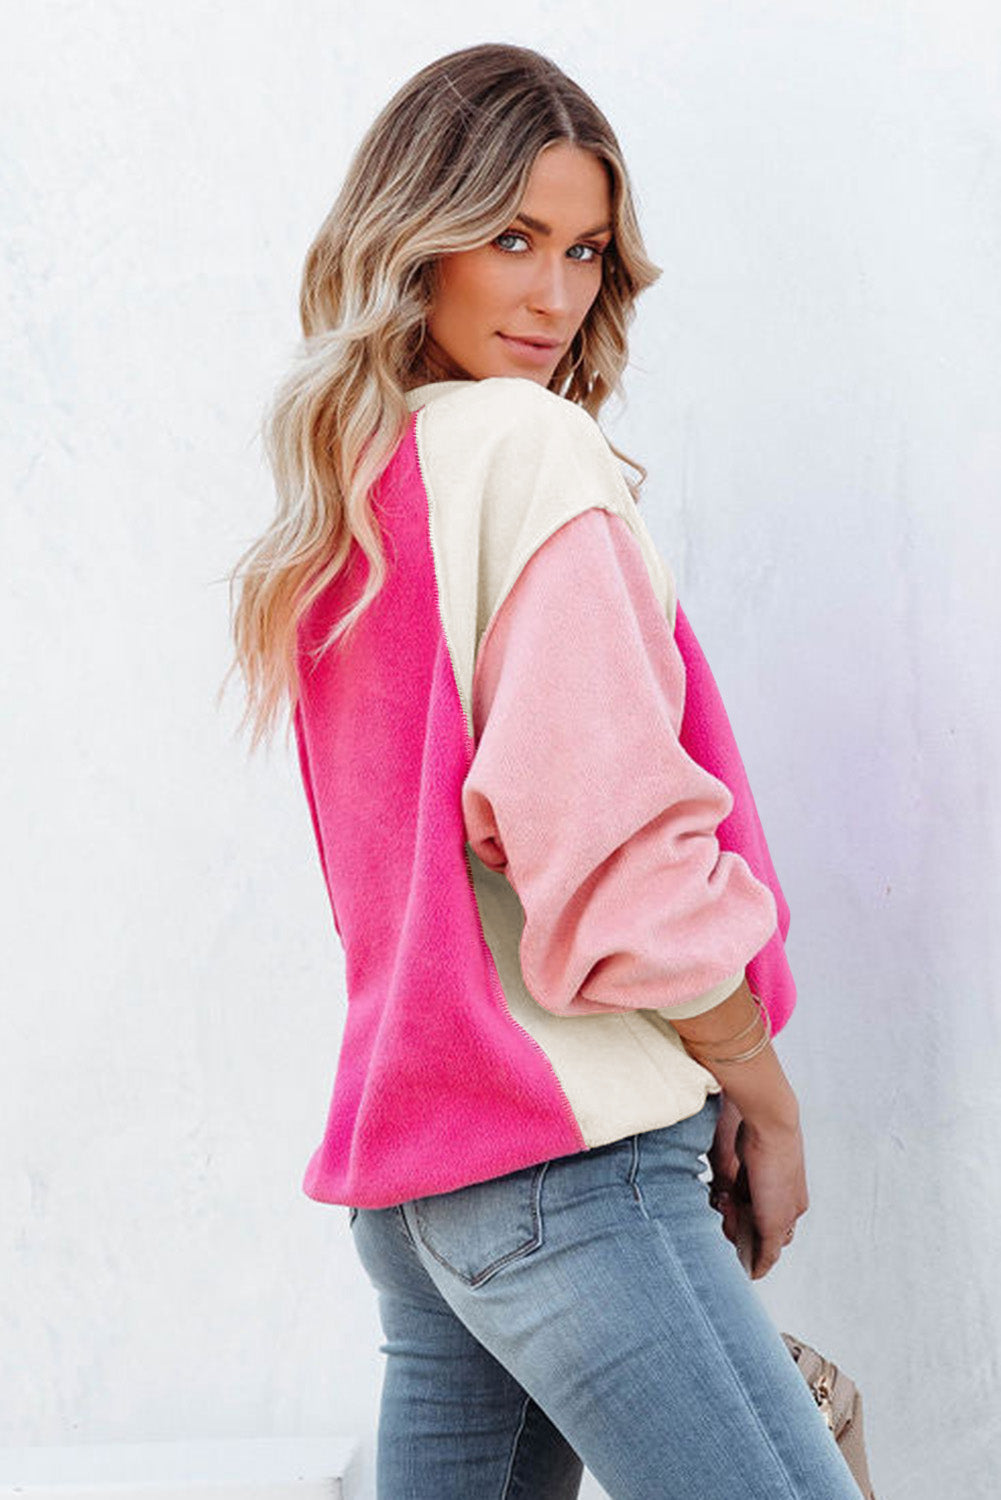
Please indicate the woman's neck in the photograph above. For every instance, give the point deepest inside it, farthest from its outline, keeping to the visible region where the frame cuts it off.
(433, 364)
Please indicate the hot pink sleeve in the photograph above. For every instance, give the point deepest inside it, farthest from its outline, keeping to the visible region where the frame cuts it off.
(580, 793)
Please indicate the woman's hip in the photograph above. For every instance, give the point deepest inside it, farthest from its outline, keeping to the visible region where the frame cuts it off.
(603, 1283)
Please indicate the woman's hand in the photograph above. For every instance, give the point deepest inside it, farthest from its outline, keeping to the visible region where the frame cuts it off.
(725, 1164)
(762, 1168)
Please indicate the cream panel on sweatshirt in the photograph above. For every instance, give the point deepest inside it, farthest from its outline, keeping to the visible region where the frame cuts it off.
(622, 1072)
(506, 464)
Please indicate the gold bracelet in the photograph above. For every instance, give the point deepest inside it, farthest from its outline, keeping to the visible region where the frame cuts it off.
(759, 1046)
(720, 1040)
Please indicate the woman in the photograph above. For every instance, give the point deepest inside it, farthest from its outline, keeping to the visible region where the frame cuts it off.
(549, 941)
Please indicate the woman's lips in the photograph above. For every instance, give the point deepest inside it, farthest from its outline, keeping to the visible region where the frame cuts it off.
(533, 351)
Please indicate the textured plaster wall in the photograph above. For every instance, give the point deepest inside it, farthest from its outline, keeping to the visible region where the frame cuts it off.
(814, 391)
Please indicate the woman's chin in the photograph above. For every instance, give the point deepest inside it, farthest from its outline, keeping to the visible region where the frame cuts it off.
(518, 372)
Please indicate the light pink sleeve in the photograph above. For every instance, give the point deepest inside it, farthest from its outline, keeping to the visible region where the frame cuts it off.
(580, 793)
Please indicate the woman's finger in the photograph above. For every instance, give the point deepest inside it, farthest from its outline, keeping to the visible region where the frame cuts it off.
(722, 1154)
(767, 1254)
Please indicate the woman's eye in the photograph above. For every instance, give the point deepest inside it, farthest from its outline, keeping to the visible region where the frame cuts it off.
(503, 241)
(516, 243)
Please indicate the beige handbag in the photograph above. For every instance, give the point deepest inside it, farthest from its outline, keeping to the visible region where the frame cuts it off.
(838, 1397)
(840, 1402)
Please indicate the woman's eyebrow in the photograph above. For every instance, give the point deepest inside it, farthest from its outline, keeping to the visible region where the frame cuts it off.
(541, 228)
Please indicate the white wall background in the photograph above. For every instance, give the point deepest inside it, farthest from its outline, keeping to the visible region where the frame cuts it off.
(815, 392)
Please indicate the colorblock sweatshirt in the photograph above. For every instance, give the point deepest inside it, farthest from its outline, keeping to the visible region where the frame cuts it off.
(535, 856)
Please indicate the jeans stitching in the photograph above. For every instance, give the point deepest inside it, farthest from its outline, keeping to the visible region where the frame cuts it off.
(634, 1166)
(506, 1487)
(532, 1243)
(697, 1302)
(400, 1215)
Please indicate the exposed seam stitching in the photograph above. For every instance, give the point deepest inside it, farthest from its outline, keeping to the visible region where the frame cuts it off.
(438, 571)
(521, 560)
(504, 1004)
(438, 575)
(505, 1491)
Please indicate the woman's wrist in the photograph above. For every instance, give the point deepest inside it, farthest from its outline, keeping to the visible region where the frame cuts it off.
(762, 1093)
(732, 1041)
(768, 1105)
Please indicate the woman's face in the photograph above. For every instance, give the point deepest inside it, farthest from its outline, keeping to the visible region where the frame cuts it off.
(512, 307)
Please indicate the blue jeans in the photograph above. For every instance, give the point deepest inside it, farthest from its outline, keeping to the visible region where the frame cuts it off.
(588, 1310)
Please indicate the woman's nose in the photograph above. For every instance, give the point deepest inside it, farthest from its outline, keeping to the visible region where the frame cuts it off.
(549, 291)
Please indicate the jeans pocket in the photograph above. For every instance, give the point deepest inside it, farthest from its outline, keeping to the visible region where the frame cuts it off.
(474, 1231)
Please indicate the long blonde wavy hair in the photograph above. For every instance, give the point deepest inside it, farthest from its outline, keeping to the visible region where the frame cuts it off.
(443, 168)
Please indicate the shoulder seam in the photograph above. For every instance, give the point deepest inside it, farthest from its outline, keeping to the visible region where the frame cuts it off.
(523, 564)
